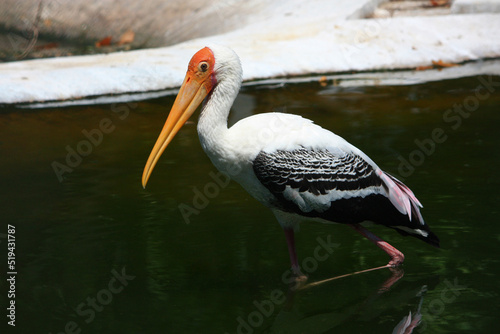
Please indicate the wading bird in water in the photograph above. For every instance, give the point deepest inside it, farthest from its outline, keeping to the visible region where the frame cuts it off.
(296, 168)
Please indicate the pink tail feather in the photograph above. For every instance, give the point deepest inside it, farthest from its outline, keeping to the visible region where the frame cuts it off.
(401, 196)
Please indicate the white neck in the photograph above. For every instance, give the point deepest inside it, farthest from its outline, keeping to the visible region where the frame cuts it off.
(212, 124)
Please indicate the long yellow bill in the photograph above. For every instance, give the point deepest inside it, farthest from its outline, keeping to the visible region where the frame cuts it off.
(190, 96)
(198, 82)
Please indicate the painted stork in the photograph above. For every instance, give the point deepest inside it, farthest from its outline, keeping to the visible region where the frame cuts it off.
(296, 168)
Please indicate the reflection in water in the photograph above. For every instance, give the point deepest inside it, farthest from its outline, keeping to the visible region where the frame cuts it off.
(291, 320)
(409, 322)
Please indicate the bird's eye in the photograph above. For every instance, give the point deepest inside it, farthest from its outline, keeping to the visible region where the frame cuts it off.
(203, 66)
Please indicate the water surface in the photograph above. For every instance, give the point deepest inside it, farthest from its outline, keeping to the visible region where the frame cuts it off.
(97, 253)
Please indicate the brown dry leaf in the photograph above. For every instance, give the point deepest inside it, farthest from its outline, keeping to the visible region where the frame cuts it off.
(106, 41)
(47, 46)
(436, 3)
(127, 37)
(423, 68)
(323, 81)
(441, 63)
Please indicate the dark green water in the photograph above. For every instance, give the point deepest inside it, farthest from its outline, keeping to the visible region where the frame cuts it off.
(96, 253)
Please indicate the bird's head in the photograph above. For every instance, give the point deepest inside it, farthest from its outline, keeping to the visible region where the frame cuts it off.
(207, 68)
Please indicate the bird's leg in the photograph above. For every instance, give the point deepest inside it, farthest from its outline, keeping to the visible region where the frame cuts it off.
(397, 257)
(290, 241)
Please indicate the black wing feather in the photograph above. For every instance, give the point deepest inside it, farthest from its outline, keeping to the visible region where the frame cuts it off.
(320, 172)
(316, 171)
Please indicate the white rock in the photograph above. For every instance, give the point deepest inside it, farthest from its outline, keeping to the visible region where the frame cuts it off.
(291, 39)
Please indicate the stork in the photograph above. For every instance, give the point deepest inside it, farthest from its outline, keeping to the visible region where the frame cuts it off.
(291, 165)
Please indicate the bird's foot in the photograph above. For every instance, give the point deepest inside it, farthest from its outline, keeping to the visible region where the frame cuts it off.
(299, 279)
(396, 260)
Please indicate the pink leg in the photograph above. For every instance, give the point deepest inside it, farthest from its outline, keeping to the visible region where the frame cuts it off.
(290, 241)
(397, 257)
